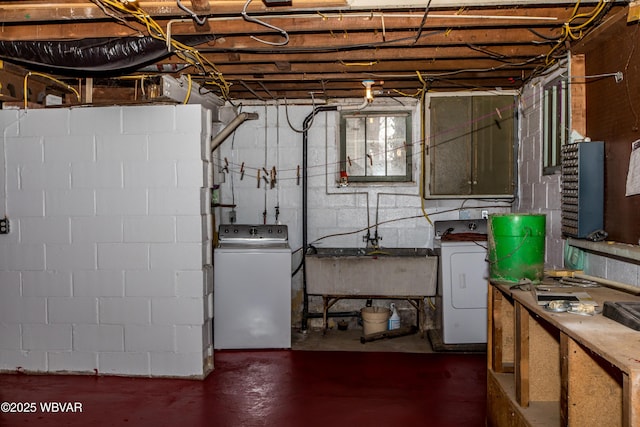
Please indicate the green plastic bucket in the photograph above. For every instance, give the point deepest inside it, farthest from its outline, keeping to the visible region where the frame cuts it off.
(516, 247)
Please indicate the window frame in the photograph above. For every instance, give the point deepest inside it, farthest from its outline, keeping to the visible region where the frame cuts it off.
(408, 147)
(556, 123)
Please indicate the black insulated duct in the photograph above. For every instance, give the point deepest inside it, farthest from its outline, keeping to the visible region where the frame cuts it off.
(96, 57)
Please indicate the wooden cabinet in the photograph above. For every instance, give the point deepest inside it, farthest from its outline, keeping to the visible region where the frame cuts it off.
(471, 149)
(560, 369)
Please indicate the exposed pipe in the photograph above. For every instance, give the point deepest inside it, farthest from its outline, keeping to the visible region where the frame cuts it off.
(327, 174)
(377, 216)
(305, 142)
(365, 103)
(233, 125)
(308, 121)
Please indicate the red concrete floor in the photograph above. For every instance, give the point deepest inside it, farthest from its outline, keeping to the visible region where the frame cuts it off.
(269, 388)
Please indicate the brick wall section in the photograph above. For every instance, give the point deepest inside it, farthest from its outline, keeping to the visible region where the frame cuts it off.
(107, 264)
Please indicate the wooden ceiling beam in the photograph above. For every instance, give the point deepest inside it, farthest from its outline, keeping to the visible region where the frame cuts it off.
(77, 10)
(514, 52)
(331, 48)
(300, 78)
(239, 38)
(397, 39)
(234, 25)
(389, 89)
(389, 84)
(299, 43)
(202, 8)
(380, 67)
(385, 20)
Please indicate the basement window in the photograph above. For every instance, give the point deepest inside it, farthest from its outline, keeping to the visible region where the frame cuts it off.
(375, 146)
(556, 123)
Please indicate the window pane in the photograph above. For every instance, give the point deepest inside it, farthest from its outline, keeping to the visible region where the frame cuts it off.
(450, 143)
(355, 134)
(545, 126)
(493, 147)
(376, 137)
(556, 123)
(374, 146)
(396, 146)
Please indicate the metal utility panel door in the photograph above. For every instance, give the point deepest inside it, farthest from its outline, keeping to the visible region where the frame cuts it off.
(471, 147)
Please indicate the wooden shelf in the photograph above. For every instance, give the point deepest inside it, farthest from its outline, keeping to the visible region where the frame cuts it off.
(539, 414)
(620, 250)
(560, 369)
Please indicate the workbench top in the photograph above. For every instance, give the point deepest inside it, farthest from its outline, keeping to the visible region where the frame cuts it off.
(613, 341)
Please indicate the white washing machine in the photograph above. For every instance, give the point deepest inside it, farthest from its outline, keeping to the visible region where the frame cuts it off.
(464, 274)
(252, 287)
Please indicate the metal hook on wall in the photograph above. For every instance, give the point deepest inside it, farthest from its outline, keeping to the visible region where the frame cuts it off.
(273, 27)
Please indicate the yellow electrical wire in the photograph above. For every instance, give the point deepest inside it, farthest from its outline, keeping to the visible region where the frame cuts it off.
(186, 53)
(418, 92)
(574, 32)
(422, 93)
(60, 82)
(359, 64)
(190, 85)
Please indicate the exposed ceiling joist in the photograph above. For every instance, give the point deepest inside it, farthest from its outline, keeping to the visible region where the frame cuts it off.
(331, 45)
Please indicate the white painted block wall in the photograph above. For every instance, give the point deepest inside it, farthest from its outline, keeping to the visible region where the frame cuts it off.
(541, 194)
(270, 141)
(337, 216)
(538, 193)
(107, 266)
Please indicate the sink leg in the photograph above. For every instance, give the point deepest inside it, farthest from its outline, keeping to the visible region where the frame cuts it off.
(325, 308)
(421, 317)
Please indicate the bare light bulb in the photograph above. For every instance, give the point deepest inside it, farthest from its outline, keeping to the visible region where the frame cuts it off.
(368, 94)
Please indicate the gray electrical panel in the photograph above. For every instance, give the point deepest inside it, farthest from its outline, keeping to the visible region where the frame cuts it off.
(582, 188)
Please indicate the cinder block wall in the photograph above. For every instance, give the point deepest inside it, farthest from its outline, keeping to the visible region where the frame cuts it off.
(342, 213)
(107, 268)
(541, 193)
(538, 193)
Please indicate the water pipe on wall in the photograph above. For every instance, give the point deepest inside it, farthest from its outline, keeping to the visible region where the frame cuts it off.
(341, 192)
(305, 239)
(305, 142)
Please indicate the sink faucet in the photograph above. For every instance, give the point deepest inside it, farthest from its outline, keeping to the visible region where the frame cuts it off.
(372, 242)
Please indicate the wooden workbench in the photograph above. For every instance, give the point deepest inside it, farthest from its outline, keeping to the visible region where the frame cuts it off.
(560, 369)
